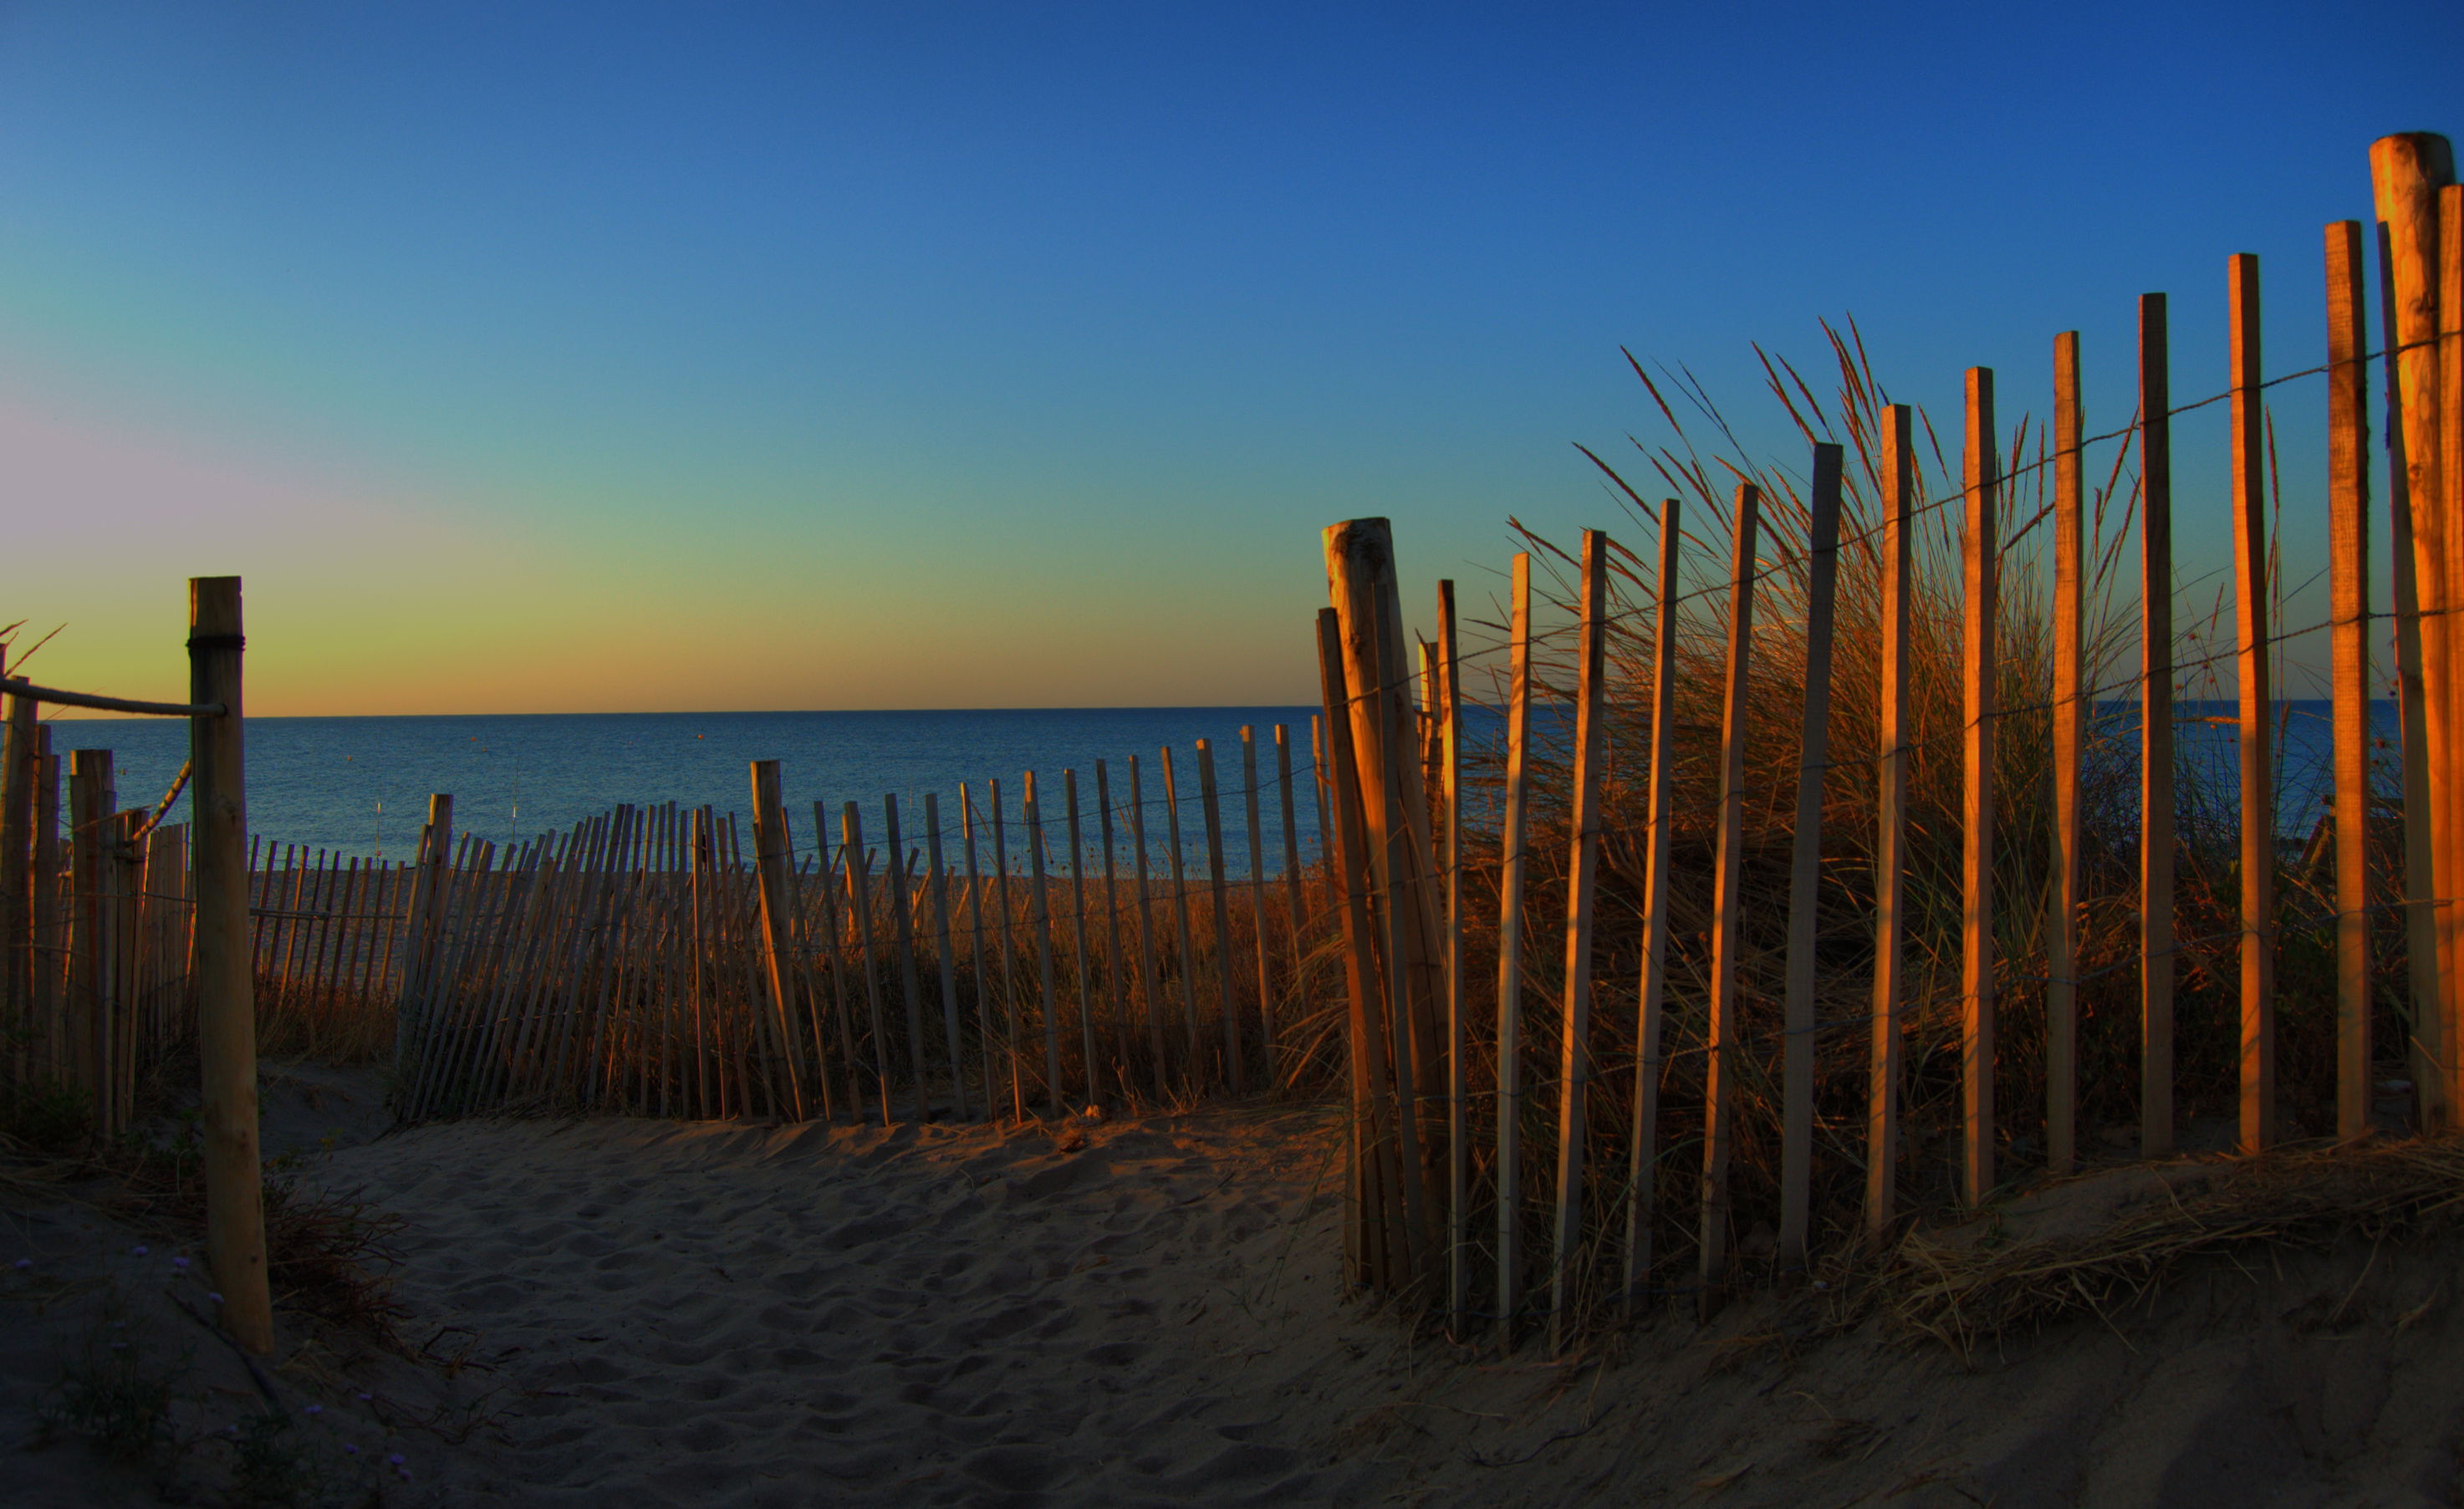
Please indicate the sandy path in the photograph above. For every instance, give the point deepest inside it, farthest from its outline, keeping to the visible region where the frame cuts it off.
(1147, 1313)
(713, 1314)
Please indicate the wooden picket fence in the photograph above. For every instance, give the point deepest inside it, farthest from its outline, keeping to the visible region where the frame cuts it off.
(1453, 1192)
(674, 961)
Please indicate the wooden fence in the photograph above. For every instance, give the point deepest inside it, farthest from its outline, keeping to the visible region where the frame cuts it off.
(1484, 1175)
(674, 961)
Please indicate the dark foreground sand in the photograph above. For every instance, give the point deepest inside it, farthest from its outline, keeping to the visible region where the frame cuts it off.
(1146, 1312)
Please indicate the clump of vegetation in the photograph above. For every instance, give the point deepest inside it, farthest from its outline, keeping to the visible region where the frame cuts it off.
(113, 1393)
(42, 1115)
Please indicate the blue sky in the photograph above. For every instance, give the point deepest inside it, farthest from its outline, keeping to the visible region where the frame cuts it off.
(601, 357)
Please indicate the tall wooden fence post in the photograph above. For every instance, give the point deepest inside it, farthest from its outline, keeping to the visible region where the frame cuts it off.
(1643, 1178)
(1805, 867)
(2070, 711)
(1582, 882)
(2155, 733)
(1980, 552)
(1510, 956)
(225, 992)
(1728, 920)
(1890, 820)
(2348, 543)
(2250, 661)
(1449, 713)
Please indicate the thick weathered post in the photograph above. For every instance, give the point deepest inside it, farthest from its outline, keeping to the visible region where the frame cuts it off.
(2406, 172)
(2348, 544)
(225, 992)
(1805, 868)
(2155, 733)
(2250, 661)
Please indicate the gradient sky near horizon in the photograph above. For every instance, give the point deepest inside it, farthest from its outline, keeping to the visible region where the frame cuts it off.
(546, 358)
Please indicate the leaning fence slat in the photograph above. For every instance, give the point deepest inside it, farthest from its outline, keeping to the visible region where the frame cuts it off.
(1149, 984)
(1228, 994)
(2451, 504)
(939, 879)
(1087, 989)
(2155, 733)
(1119, 993)
(1805, 869)
(2258, 1098)
(1258, 899)
(1722, 1060)
(901, 897)
(2348, 503)
(1041, 917)
(1582, 882)
(770, 857)
(1511, 837)
(1196, 1069)
(1651, 987)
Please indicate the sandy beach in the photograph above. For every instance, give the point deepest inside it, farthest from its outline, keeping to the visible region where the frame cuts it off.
(1147, 1311)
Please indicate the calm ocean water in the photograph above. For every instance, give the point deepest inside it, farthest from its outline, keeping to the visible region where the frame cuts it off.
(360, 785)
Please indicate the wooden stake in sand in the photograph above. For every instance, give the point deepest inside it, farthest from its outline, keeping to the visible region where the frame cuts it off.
(1042, 925)
(1010, 1048)
(226, 993)
(17, 772)
(2070, 731)
(1510, 957)
(1231, 1004)
(1890, 817)
(1582, 879)
(985, 1035)
(1118, 996)
(770, 844)
(1377, 1223)
(2155, 733)
(1196, 1068)
(901, 896)
(1728, 920)
(1078, 937)
(2348, 545)
(2250, 661)
(938, 877)
(1295, 908)
(1805, 870)
(1258, 898)
(1150, 986)
(1980, 554)
(859, 880)
(1643, 1172)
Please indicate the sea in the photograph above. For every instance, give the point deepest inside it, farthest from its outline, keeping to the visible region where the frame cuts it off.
(359, 786)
